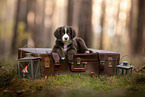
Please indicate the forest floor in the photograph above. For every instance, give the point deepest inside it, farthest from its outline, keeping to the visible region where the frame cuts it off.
(71, 85)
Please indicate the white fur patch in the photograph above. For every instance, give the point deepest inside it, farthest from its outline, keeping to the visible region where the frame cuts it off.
(65, 46)
(87, 52)
(65, 37)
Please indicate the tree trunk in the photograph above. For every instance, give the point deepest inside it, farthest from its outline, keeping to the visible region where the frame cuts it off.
(70, 12)
(20, 20)
(32, 27)
(102, 24)
(84, 23)
(14, 39)
(48, 28)
(139, 46)
(40, 26)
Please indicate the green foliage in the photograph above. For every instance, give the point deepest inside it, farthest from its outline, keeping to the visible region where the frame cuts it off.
(9, 62)
(101, 83)
(6, 30)
(68, 83)
(22, 34)
(6, 77)
(137, 81)
(85, 81)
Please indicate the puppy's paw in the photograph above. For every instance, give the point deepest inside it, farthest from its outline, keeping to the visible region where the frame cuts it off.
(87, 52)
(63, 58)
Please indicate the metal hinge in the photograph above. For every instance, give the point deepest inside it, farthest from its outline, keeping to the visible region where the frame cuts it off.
(84, 68)
(47, 62)
(78, 65)
(110, 62)
(78, 61)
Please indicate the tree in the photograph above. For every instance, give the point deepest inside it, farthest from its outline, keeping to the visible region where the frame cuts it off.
(102, 23)
(79, 15)
(70, 10)
(139, 43)
(32, 26)
(136, 30)
(20, 16)
(84, 21)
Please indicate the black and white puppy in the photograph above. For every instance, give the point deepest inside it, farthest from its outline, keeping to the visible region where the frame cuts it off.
(66, 44)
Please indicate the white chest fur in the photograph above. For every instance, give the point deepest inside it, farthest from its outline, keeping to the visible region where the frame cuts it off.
(65, 46)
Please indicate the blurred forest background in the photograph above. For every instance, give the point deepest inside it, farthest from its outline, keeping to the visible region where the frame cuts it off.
(116, 25)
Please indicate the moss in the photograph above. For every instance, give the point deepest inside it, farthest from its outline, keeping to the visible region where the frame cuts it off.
(6, 77)
(11, 81)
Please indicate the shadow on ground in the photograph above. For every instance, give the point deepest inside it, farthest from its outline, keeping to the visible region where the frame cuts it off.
(88, 93)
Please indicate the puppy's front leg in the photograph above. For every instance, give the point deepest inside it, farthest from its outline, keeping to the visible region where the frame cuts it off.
(60, 52)
(56, 58)
(70, 54)
(87, 52)
(62, 55)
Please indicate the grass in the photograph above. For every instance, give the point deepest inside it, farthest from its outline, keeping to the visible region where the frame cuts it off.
(83, 81)
(11, 84)
(76, 84)
(101, 83)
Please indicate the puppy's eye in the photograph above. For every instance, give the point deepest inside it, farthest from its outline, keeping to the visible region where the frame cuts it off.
(62, 31)
(68, 32)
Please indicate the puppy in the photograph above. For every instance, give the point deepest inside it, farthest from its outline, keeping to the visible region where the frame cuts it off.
(66, 44)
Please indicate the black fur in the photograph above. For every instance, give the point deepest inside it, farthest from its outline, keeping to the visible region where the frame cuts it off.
(76, 44)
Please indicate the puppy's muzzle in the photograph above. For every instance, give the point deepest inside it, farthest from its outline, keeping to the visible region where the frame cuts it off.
(65, 38)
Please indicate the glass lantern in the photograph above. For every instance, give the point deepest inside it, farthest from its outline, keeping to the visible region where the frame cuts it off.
(29, 67)
(124, 68)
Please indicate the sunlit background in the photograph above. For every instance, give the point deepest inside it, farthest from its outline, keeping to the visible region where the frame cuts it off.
(115, 24)
(38, 19)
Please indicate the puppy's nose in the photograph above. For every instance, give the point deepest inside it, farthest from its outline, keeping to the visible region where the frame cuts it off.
(65, 38)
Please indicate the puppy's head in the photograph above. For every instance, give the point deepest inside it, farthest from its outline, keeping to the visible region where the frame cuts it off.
(65, 33)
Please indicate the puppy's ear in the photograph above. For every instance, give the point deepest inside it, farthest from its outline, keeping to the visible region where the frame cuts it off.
(73, 33)
(57, 33)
